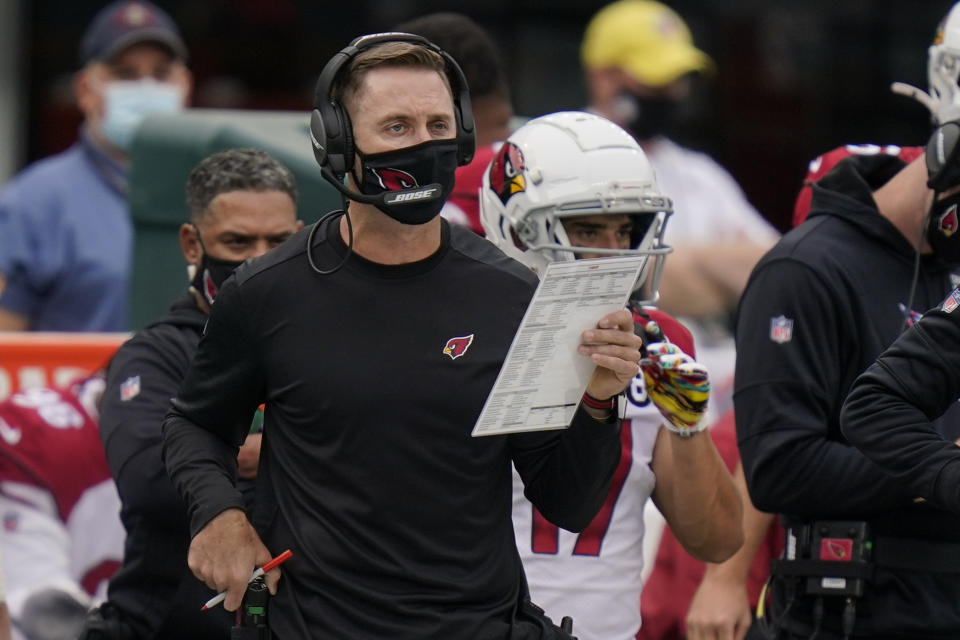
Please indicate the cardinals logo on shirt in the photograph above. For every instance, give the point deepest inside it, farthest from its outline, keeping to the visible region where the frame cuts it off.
(393, 179)
(506, 172)
(458, 346)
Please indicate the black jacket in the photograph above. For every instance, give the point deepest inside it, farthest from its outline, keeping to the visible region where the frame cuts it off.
(154, 590)
(817, 310)
(889, 412)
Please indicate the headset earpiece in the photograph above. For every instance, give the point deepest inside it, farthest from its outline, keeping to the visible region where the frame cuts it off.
(942, 156)
(349, 150)
(318, 137)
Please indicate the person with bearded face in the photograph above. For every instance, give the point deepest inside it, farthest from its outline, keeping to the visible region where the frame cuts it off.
(65, 230)
(242, 203)
(374, 338)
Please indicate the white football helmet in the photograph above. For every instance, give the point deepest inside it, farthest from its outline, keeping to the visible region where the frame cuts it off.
(570, 164)
(943, 72)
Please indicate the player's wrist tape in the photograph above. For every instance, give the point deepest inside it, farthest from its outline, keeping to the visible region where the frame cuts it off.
(686, 432)
(609, 404)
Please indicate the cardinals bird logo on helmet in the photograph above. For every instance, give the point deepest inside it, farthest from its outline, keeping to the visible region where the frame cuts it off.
(506, 172)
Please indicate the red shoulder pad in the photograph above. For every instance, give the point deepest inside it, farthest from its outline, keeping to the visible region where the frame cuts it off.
(49, 440)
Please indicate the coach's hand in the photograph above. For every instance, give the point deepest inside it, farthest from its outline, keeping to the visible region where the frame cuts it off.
(615, 349)
(224, 554)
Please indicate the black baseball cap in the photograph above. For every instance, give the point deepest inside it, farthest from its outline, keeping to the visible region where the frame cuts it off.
(125, 23)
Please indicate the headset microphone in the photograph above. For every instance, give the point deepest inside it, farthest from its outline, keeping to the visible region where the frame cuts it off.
(413, 195)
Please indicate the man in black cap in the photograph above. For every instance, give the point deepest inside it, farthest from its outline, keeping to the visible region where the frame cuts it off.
(65, 229)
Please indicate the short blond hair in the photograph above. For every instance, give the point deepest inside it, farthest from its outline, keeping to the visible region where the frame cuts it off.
(388, 54)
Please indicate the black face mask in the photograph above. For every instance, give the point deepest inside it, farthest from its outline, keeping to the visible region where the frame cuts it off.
(411, 171)
(646, 117)
(211, 272)
(943, 229)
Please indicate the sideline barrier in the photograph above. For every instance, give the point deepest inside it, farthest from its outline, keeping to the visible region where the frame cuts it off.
(38, 359)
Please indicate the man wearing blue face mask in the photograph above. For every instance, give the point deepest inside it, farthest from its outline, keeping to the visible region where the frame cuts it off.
(65, 228)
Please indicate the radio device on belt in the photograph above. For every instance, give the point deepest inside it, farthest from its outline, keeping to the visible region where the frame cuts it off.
(825, 558)
(252, 614)
(833, 555)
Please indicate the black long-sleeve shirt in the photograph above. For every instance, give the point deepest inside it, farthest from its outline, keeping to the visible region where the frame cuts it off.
(398, 519)
(890, 412)
(816, 312)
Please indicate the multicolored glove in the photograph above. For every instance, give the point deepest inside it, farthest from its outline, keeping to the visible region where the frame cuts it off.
(678, 385)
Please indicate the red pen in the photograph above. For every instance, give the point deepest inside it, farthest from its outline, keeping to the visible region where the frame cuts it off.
(259, 571)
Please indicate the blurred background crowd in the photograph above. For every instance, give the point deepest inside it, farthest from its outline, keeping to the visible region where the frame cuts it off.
(792, 78)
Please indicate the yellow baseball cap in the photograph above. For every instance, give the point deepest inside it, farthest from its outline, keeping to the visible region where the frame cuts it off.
(646, 39)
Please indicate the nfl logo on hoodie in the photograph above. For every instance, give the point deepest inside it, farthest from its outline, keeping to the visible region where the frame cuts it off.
(781, 329)
(130, 388)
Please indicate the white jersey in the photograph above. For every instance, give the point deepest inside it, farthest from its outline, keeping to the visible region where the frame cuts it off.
(709, 207)
(59, 505)
(708, 204)
(595, 576)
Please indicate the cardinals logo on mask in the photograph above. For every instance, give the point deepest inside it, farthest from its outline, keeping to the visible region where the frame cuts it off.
(506, 172)
(428, 163)
(947, 223)
(943, 227)
(393, 179)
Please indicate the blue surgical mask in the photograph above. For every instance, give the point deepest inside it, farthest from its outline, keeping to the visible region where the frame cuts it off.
(128, 102)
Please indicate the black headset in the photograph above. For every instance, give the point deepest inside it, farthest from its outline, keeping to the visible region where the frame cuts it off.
(942, 155)
(331, 133)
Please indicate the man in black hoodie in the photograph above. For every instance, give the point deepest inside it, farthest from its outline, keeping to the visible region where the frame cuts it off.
(242, 202)
(818, 309)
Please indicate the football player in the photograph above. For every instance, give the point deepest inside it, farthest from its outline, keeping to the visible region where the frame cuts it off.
(574, 185)
(62, 537)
